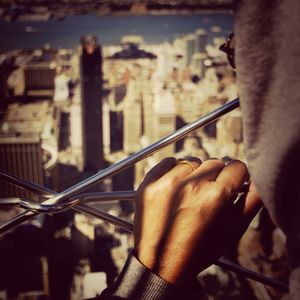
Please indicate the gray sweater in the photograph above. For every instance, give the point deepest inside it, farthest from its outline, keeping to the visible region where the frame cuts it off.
(268, 71)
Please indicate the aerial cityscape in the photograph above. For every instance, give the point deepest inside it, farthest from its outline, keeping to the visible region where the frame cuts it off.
(68, 112)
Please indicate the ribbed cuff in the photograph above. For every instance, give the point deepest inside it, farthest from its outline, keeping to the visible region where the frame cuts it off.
(294, 284)
(138, 282)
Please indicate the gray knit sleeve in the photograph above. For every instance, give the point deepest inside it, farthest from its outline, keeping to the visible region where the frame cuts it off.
(138, 282)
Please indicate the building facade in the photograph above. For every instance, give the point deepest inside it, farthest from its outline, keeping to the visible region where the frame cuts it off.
(91, 89)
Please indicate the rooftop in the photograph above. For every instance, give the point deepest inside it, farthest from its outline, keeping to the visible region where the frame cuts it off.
(26, 119)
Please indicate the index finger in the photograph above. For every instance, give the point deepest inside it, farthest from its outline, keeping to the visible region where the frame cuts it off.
(159, 170)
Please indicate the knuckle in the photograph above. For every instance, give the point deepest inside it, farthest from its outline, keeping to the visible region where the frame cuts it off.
(220, 163)
(238, 163)
(214, 163)
(193, 159)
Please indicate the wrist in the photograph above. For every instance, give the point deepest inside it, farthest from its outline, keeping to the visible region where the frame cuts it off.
(167, 267)
(146, 256)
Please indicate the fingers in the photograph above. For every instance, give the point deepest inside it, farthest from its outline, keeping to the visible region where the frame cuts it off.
(245, 209)
(193, 162)
(232, 177)
(183, 168)
(172, 170)
(252, 204)
(159, 170)
(208, 170)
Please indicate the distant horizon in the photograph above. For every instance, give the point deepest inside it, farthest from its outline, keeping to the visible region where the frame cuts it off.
(66, 33)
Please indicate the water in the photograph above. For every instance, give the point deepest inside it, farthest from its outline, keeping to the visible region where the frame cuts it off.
(108, 29)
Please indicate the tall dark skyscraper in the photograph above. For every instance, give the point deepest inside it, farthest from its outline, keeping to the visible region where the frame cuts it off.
(91, 79)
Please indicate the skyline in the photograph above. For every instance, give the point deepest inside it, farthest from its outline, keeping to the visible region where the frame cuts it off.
(138, 100)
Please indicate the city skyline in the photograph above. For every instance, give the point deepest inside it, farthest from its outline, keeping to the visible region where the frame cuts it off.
(109, 101)
(182, 71)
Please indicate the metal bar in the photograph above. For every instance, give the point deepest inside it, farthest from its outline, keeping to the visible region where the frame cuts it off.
(230, 266)
(10, 201)
(103, 197)
(69, 203)
(83, 198)
(21, 218)
(134, 158)
(86, 198)
(105, 216)
(25, 184)
(47, 209)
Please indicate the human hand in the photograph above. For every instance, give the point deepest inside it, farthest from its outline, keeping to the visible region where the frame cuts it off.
(186, 215)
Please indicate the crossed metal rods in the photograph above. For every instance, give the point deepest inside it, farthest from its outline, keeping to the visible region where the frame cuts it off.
(55, 202)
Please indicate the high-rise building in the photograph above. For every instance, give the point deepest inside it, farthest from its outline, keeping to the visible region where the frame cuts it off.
(28, 144)
(201, 40)
(190, 103)
(164, 120)
(138, 114)
(190, 43)
(116, 117)
(197, 66)
(91, 78)
(21, 156)
(40, 74)
(132, 117)
(130, 98)
(147, 109)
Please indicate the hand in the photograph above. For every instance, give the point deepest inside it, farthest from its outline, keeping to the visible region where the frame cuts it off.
(186, 216)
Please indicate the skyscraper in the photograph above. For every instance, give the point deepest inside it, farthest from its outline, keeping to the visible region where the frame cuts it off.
(164, 120)
(21, 156)
(133, 121)
(201, 40)
(190, 43)
(91, 78)
(28, 144)
(40, 74)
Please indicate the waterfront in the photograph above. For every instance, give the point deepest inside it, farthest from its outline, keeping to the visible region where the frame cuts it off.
(110, 29)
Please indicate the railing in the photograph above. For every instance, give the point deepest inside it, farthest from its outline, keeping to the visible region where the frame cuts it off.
(53, 202)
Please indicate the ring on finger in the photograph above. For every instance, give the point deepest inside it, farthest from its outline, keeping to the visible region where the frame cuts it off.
(182, 161)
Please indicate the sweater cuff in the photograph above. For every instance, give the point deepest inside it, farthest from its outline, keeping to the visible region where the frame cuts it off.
(138, 282)
(294, 284)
